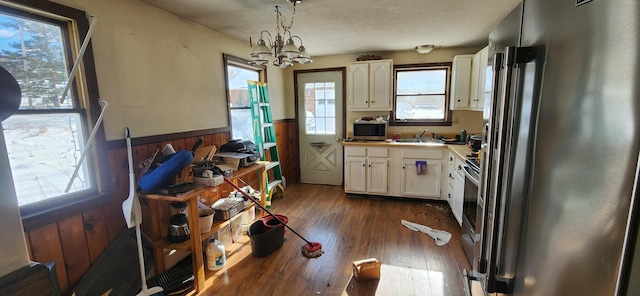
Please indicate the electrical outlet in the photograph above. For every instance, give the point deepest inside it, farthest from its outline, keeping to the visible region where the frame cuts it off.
(456, 120)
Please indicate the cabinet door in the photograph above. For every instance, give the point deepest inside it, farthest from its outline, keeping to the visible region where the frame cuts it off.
(358, 86)
(425, 185)
(457, 196)
(461, 82)
(478, 81)
(355, 170)
(485, 79)
(380, 85)
(377, 175)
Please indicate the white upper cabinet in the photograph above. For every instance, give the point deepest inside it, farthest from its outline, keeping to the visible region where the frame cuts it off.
(369, 86)
(479, 80)
(461, 82)
(469, 81)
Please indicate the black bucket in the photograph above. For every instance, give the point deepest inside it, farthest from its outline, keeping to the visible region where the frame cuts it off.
(263, 243)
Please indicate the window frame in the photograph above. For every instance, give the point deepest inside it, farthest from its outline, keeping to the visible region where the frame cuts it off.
(419, 67)
(230, 60)
(84, 93)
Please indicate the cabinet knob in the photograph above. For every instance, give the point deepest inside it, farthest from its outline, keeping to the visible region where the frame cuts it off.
(450, 176)
(450, 158)
(363, 165)
(448, 195)
(459, 167)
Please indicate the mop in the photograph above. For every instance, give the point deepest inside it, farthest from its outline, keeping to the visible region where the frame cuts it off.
(133, 216)
(309, 250)
(442, 237)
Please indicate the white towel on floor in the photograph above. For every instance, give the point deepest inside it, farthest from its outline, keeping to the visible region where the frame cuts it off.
(442, 237)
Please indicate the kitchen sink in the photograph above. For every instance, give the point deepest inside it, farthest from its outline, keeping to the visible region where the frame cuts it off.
(417, 140)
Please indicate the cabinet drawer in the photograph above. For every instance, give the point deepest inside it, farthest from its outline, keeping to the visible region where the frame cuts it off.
(377, 152)
(355, 151)
(416, 153)
(459, 166)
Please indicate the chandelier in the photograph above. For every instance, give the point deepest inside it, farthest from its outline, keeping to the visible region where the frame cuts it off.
(283, 54)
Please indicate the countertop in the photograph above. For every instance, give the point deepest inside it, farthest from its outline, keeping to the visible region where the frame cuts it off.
(461, 151)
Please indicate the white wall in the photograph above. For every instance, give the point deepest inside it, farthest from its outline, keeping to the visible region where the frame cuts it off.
(159, 73)
(469, 120)
(13, 246)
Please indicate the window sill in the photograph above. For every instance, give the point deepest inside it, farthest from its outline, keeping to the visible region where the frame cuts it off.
(43, 214)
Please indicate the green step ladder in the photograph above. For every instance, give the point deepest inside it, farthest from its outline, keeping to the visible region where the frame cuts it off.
(264, 136)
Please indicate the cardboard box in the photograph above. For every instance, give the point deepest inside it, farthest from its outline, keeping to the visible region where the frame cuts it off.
(367, 269)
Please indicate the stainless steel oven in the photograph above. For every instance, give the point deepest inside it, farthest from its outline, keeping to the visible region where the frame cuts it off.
(470, 206)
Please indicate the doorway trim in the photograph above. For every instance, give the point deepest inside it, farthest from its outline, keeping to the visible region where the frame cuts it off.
(343, 71)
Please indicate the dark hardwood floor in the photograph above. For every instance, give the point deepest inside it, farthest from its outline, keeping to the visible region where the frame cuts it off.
(350, 228)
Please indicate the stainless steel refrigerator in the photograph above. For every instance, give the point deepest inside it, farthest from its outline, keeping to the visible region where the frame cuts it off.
(559, 160)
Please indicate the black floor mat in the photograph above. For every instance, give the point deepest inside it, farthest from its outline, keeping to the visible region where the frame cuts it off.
(117, 267)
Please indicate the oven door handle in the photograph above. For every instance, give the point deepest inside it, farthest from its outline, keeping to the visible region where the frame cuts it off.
(472, 177)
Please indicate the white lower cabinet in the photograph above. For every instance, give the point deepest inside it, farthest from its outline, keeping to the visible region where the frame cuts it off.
(391, 171)
(455, 195)
(425, 184)
(366, 170)
(355, 174)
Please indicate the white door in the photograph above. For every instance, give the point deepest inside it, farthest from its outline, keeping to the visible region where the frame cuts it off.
(321, 128)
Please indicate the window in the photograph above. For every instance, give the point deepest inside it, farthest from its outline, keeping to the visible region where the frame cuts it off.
(320, 106)
(45, 138)
(237, 72)
(421, 95)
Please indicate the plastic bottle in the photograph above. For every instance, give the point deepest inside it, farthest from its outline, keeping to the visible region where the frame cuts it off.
(216, 256)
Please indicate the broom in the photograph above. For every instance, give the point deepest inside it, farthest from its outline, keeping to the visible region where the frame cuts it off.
(309, 250)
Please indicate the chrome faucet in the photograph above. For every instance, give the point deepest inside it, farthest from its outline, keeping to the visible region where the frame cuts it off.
(421, 133)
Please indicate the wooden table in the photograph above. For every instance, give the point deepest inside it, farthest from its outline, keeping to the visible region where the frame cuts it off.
(194, 244)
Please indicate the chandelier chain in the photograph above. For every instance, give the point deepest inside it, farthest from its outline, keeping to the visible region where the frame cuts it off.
(284, 19)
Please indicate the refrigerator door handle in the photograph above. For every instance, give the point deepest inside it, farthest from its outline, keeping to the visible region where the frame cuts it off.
(497, 282)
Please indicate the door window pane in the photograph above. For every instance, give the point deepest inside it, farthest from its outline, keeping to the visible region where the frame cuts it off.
(320, 107)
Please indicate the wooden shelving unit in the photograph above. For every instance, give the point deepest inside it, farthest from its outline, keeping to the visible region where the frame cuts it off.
(194, 244)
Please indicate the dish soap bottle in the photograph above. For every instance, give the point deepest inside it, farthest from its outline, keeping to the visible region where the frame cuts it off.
(216, 256)
(463, 136)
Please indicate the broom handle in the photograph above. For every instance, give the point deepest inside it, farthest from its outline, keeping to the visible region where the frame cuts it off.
(264, 209)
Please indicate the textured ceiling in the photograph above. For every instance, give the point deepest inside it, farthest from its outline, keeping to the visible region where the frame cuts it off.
(329, 27)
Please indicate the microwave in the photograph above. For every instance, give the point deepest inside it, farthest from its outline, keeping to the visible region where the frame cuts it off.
(371, 130)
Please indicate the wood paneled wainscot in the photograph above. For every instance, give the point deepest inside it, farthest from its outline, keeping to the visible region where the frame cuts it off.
(76, 240)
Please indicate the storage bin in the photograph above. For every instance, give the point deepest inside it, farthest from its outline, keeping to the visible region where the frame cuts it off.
(270, 222)
(225, 208)
(206, 220)
(263, 243)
